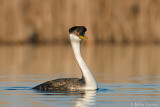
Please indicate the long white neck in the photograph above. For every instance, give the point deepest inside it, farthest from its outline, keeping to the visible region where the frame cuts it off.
(89, 79)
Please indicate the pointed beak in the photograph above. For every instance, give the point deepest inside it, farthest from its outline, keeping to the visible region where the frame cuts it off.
(82, 37)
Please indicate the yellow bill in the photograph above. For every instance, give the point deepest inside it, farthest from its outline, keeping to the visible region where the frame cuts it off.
(82, 37)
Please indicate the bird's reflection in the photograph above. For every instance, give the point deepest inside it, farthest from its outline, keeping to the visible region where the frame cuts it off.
(88, 99)
(85, 97)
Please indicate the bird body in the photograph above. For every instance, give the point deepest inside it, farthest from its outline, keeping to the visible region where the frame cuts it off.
(87, 82)
(62, 84)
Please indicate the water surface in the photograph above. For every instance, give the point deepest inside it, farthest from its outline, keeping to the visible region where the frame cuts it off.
(127, 76)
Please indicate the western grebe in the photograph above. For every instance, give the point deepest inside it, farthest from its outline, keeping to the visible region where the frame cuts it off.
(87, 82)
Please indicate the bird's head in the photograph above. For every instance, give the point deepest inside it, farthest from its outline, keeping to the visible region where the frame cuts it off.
(77, 33)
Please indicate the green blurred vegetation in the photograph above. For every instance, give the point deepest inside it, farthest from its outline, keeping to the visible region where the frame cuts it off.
(107, 21)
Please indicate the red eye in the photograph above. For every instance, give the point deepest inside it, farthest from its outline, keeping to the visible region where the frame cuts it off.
(76, 33)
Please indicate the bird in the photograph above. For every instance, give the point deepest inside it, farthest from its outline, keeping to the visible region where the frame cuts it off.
(86, 82)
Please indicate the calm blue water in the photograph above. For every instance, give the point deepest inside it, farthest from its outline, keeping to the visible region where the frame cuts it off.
(108, 95)
(127, 76)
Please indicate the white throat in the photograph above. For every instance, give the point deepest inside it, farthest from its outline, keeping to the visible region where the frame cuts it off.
(89, 79)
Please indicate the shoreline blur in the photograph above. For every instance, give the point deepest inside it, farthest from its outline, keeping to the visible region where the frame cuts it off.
(107, 21)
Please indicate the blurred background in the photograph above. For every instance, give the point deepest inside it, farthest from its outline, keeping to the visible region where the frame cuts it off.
(123, 38)
(107, 21)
